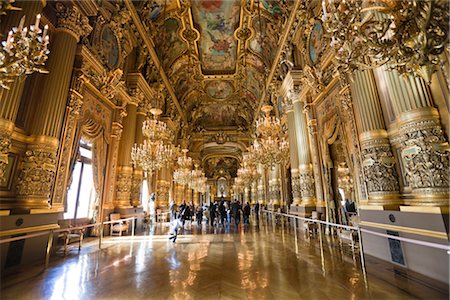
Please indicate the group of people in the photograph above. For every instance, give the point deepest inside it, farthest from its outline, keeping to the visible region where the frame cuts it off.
(217, 213)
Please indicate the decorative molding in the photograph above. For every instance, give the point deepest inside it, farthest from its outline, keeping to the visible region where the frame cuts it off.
(71, 19)
(37, 175)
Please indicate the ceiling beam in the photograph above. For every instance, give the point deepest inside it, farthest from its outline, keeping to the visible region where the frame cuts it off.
(151, 47)
(284, 37)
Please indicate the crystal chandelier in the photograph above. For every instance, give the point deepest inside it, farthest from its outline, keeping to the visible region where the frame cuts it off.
(248, 172)
(270, 147)
(198, 180)
(182, 175)
(407, 35)
(24, 52)
(154, 129)
(157, 150)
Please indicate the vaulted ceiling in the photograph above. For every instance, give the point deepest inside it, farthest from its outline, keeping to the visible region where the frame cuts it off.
(212, 54)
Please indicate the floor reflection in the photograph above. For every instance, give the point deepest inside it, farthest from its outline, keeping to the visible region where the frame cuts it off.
(247, 262)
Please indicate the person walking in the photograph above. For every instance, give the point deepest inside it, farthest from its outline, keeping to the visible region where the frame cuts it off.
(176, 224)
(199, 215)
(246, 212)
(257, 211)
(212, 213)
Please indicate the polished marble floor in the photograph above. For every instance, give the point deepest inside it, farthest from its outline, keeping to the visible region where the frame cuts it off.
(254, 262)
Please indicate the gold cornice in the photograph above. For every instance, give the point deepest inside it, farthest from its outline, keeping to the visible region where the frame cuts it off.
(326, 90)
(31, 229)
(151, 48)
(411, 230)
(137, 79)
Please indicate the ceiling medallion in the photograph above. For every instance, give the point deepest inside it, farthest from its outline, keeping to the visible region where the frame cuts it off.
(219, 89)
(190, 35)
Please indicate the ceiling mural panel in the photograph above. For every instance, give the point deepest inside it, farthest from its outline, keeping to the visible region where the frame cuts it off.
(171, 46)
(219, 89)
(217, 20)
(221, 167)
(268, 34)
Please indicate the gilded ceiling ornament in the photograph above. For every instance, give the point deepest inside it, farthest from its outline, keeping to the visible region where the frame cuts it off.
(408, 35)
(190, 35)
(110, 82)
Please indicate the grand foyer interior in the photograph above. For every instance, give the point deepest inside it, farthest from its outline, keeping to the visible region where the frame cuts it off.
(296, 105)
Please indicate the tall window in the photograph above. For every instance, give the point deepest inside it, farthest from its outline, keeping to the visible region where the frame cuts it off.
(81, 195)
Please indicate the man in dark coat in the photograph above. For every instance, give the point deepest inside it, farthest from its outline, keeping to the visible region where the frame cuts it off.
(246, 212)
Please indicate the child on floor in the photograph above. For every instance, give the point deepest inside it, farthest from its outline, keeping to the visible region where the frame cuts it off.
(176, 223)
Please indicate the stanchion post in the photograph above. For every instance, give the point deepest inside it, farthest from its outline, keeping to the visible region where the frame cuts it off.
(321, 247)
(101, 236)
(49, 248)
(363, 263)
(132, 227)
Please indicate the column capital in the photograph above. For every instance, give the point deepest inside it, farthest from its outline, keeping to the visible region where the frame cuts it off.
(72, 20)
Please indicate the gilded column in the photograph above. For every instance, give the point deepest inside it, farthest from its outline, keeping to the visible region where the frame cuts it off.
(314, 147)
(162, 189)
(293, 149)
(253, 197)
(196, 198)
(378, 160)
(38, 168)
(275, 186)
(307, 187)
(418, 132)
(138, 175)
(124, 179)
(260, 185)
(110, 180)
(10, 99)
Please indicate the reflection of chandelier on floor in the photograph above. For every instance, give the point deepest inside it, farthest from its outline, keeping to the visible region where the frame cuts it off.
(182, 175)
(157, 149)
(270, 146)
(24, 52)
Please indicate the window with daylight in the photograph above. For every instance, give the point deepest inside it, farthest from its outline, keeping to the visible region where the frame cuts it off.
(81, 195)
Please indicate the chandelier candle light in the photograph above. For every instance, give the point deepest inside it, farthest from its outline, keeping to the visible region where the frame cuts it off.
(24, 52)
(157, 149)
(182, 175)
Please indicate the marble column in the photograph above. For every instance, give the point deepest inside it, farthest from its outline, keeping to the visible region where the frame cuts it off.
(378, 160)
(10, 99)
(307, 187)
(418, 133)
(124, 178)
(37, 175)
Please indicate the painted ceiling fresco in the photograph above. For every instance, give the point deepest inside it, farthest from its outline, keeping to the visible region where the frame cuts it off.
(217, 21)
(216, 73)
(221, 166)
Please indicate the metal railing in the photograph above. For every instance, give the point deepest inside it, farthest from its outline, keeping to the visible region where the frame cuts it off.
(52, 232)
(356, 229)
